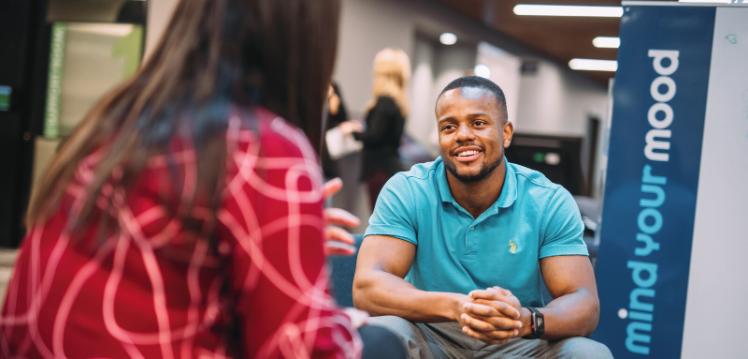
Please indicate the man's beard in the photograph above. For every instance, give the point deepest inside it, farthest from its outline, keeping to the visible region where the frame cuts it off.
(476, 177)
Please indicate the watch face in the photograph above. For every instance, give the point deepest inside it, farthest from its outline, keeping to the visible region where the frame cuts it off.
(539, 325)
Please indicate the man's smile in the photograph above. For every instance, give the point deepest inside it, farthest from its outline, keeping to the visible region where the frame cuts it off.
(467, 153)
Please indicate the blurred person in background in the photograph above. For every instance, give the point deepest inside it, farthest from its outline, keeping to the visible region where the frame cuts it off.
(183, 217)
(385, 120)
(336, 114)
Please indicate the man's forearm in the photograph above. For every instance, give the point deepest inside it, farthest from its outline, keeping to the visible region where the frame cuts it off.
(381, 293)
(573, 314)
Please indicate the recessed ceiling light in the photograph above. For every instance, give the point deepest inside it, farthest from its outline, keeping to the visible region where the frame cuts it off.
(482, 71)
(593, 65)
(448, 38)
(568, 10)
(606, 42)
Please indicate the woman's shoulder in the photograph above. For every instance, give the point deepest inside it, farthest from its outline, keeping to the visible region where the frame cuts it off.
(272, 158)
(387, 105)
(263, 141)
(269, 133)
(386, 100)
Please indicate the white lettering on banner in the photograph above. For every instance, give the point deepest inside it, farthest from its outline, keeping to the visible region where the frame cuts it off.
(662, 90)
(659, 55)
(657, 84)
(657, 140)
(667, 115)
(649, 220)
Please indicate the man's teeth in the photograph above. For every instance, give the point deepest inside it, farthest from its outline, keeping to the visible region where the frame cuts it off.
(467, 153)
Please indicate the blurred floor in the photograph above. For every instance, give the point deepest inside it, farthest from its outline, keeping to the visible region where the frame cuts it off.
(7, 260)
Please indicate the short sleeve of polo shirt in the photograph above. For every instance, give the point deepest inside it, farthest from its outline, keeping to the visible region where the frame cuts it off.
(394, 211)
(563, 227)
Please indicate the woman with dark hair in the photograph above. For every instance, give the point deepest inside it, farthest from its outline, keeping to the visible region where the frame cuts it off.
(336, 114)
(183, 217)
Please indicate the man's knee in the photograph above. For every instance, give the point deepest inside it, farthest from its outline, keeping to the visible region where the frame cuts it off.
(582, 348)
(380, 342)
(400, 326)
(411, 337)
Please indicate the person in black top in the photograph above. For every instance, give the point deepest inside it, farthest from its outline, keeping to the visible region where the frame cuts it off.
(336, 114)
(385, 120)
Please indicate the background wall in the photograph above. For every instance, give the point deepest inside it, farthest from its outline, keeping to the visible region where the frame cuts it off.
(421, 124)
(555, 101)
(504, 69)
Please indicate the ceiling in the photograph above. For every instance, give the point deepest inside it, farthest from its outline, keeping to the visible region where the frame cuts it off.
(559, 38)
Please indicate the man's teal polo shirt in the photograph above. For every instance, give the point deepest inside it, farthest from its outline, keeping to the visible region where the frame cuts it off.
(533, 218)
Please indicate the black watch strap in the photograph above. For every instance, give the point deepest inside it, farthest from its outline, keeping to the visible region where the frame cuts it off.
(538, 323)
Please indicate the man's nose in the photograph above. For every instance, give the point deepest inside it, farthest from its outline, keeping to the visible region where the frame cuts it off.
(464, 132)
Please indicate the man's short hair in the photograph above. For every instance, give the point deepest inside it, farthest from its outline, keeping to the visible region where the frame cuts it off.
(481, 83)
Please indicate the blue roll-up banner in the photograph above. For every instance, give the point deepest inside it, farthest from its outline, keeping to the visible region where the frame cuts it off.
(680, 104)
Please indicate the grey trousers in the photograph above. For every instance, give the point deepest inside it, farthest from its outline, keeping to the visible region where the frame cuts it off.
(446, 340)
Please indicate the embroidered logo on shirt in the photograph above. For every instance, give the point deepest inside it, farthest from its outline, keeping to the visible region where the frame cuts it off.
(512, 246)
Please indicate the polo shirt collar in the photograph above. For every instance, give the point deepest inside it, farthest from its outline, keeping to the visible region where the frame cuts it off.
(508, 191)
(441, 179)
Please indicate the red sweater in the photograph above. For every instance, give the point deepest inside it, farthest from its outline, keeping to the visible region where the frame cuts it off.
(154, 290)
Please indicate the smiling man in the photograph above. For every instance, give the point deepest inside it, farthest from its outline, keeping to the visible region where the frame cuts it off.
(457, 249)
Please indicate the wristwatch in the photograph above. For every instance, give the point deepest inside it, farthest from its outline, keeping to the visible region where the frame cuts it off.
(538, 323)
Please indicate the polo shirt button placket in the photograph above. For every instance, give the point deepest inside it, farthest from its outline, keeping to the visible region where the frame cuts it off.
(470, 241)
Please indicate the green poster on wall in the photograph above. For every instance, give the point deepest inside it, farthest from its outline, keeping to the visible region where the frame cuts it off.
(87, 60)
(54, 81)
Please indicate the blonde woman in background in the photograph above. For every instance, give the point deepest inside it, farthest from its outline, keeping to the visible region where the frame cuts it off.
(385, 120)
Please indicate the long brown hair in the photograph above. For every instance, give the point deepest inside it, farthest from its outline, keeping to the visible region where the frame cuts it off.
(214, 56)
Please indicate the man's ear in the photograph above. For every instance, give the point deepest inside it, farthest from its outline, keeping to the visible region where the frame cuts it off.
(508, 133)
